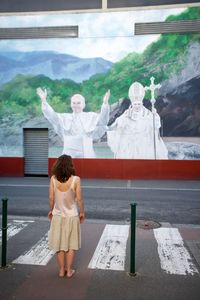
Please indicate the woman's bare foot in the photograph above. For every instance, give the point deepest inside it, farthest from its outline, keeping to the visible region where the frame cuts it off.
(70, 273)
(61, 273)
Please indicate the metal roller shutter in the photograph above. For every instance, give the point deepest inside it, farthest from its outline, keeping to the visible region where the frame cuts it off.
(35, 151)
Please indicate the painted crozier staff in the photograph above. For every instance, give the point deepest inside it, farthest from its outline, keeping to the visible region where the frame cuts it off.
(66, 213)
(78, 129)
(132, 135)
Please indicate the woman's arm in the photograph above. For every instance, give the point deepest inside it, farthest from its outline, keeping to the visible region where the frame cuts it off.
(80, 199)
(51, 198)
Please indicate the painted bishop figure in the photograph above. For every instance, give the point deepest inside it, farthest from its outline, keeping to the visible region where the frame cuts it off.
(132, 134)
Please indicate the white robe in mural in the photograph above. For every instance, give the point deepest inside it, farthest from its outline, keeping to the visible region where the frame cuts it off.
(132, 136)
(78, 130)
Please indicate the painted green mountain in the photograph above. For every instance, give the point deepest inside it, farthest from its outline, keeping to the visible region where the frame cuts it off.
(18, 96)
(162, 59)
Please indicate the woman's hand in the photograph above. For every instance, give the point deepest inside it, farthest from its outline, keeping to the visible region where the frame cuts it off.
(82, 217)
(50, 215)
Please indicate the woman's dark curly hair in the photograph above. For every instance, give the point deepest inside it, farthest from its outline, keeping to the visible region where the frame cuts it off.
(63, 168)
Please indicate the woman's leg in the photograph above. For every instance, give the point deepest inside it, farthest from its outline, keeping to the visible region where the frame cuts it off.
(69, 262)
(61, 262)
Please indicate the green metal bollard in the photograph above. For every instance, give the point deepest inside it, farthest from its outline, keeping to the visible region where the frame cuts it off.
(4, 232)
(132, 243)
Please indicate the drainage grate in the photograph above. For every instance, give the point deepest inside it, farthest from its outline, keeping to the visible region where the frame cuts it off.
(147, 224)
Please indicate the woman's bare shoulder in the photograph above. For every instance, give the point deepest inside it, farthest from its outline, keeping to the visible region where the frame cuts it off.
(52, 178)
(77, 180)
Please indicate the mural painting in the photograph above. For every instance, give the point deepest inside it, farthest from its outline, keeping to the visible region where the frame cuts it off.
(107, 93)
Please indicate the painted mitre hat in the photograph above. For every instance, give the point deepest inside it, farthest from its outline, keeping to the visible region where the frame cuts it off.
(136, 92)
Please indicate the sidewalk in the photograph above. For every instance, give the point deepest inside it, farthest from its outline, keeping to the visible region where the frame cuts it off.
(152, 281)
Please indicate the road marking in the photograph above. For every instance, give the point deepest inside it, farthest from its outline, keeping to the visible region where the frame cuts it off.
(111, 249)
(174, 257)
(129, 184)
(24, 185)
(39, 254)
(15, 227)
(128, 187)
(141, 188)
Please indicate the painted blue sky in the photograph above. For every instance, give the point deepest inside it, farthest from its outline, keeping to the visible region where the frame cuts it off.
(108, 35)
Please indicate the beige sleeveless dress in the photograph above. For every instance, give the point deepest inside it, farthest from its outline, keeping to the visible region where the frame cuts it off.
(64, 231)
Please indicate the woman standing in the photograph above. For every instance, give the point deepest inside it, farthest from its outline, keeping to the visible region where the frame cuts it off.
(65, 198)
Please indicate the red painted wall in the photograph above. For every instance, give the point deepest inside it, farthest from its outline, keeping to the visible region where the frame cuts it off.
(116, 168)
(135, 169)
(12, 166)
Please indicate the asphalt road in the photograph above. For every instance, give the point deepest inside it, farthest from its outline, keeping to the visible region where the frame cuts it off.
(176, 202)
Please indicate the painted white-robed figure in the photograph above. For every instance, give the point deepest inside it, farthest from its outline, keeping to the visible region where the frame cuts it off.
(78, 129)
(135, 134)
